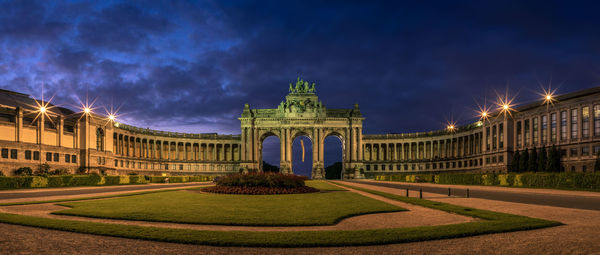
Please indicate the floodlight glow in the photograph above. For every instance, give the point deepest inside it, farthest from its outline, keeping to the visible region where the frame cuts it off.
(43, 109)
(87, 110)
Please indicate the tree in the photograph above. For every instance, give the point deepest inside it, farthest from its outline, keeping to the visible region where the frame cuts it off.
(542, 159)
(532, 164)
(514, 164)
(597, 164)
(553, 159)
(524, 161)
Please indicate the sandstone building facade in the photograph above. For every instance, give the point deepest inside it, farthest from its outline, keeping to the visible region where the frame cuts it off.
(71, 140)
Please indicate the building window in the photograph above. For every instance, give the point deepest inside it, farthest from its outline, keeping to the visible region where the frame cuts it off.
(29, 121)
(519, 134)
(69, 128)
(368, 167)
(585, 122)
(73, 159)
(574, 127)
(553, 127)
(573, 152)
(13, 154)
(116, 163)
(527, 133)
(36, 155)
(67, 158)
(584, 168)
(487, 138)
(544, 128)
(99, 139)
(501, 134)
(48, 156)
(563, 125)
(56, 157)
(494, 136)
(500, 159)
(382, 167)
(597, 120)
(166, 166)
(375, 167)
(4, 153)
(585, 151)
(534, 127)
(28, 155)
(7, 117)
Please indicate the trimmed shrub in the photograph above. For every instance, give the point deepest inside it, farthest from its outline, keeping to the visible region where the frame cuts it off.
(15, 182)
(137, 179)
(38, 182)
(116, 180)
(24, 171)
(157, 179)
(43, 169)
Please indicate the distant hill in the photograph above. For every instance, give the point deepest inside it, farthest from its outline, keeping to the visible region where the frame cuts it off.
(334, 171)
(270, 168)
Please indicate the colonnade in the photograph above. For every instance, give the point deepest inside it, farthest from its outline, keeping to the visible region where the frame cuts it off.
(453, 147)
(138, 147)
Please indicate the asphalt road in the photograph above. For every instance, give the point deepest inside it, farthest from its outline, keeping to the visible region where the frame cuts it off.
(66, 192)
(567, 201)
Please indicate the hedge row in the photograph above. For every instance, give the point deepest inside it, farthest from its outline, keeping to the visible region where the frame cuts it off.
(23, 182)
(581, 181)
(180, 179)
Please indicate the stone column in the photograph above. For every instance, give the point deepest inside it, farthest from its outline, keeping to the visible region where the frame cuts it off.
(360, 144)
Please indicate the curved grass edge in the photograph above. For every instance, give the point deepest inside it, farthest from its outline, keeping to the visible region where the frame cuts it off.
(331, 223)
(95, 197)
(496, 223)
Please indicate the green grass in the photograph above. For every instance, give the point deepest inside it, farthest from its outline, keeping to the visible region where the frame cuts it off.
(492, 222)
(92, 198)
(323, 185)
(223, 209)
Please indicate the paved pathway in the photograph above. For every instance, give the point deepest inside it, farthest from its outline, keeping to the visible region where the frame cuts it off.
(559, 198)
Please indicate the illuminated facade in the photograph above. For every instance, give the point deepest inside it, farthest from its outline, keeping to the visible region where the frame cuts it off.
(68, 140)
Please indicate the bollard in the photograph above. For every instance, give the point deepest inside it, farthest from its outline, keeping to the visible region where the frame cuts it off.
(420, 193)
(449, 193)
(406, 192)
(467, 193)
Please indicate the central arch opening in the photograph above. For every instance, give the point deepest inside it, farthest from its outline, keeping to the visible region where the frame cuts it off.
(271, 156)
(333, 157)
(300, 167)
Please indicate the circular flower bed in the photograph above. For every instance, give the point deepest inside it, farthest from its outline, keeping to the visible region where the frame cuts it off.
(261, 184)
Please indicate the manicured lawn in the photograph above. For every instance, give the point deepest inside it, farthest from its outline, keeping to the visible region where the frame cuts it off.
(323, 185)
(251, 210)
(492, 222)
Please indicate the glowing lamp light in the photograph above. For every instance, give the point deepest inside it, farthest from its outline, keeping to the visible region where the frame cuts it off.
(548, 97)
(111, 117)
(451, 127)
(505, 107)
(87, 110)
(43, 109)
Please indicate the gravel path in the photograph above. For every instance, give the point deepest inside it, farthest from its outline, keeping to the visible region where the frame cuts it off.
(580, 235)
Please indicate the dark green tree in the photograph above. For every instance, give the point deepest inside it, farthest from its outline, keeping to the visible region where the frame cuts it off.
(514, 163)
(524, 161)
(597, 164)
(542, 159)
(532, 164)
(554, 159)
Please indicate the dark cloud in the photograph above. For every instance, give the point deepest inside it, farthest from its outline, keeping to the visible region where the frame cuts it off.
(123, 27)
(192, 65)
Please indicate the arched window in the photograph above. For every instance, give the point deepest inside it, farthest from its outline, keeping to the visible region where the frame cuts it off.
(100, 139)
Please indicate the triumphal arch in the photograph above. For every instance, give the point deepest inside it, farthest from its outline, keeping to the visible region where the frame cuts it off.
(302, 114)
